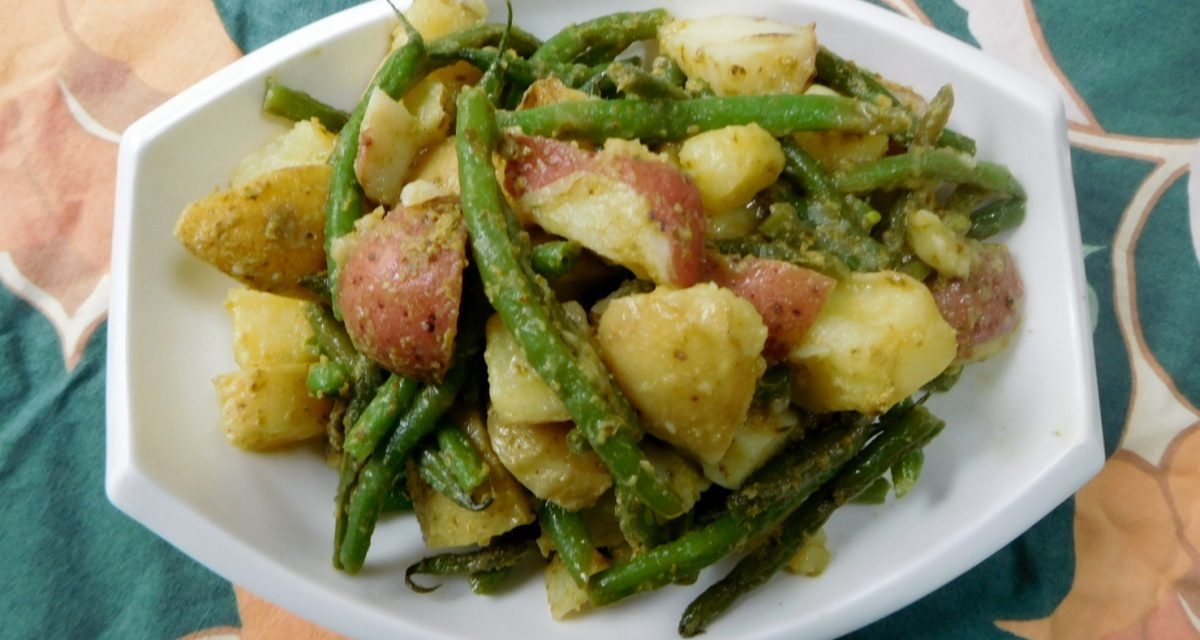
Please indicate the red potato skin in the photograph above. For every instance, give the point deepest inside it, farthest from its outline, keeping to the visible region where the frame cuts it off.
(675, 206)
(986, 305)
(400, 289)
(788, 297)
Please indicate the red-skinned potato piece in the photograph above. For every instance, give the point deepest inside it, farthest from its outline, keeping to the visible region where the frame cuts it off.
(401, 284)
(622, 202)
(985, 307)
(788, 297)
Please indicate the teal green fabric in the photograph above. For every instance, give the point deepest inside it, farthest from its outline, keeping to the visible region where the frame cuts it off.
(74, 567)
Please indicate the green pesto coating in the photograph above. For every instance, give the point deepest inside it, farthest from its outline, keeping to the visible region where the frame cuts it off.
(295, 105)
(558, 350)
(653, 121)
(847, 78)
(702, 547)
(601, 38)
(569, 533)
(907, 432)
(923, 165)
(391, 400)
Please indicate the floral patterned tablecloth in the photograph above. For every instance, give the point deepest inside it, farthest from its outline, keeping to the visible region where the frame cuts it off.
(1120, 560)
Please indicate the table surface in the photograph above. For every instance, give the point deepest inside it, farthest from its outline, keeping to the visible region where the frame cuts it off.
(1119, 560)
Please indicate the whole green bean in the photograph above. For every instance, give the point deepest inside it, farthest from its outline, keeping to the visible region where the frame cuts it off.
(559, 351)
(393, 398)
(907, 432)
(632, 80)
(448, 47)
(295, 105)
(383, 469)
(702, 547)
(923, 164)
(435, 471)
(525, 72)
(607, 35)
(570, 536)
(488, 581)
(846, 77)
(670, 120)
(469, 470)
(510, 549)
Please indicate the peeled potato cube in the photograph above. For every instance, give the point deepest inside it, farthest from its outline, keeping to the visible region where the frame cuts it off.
(540, 458)
(268, 329)
(268, 408)
(517, 392)
(738, 55)
(688, 360)
(878, 338)
(306, 143)
(732, 164)
(763, 435)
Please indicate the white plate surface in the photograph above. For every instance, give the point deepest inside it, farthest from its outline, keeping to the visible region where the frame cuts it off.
(1023, 434)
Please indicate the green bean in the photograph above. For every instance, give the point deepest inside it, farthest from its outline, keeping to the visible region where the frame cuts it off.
(559, 351)
(774, 387)
(526, 72)
(666, 70)
(908, 431)
(398, 499)
(922, 164)
(802, 167)
(448, 47)
(344, 205)
(632, 80)
(847, 78)
(607, 35)
(702, 547)
(876, 493)
(393, 398)
(331, 337)
(327, 378)
(488, 581)
(669, 120)
(556, 258)
(295, 105)
(822, 224)
(930, 125)
(469, 470)
(638, 524)
(996, 217)
(907, 471)
(435, 470)
(801, 468)
(570, 536)
(382, 470)
(510, 549)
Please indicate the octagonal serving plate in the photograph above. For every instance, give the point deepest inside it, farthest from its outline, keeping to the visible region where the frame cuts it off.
(1023, 428)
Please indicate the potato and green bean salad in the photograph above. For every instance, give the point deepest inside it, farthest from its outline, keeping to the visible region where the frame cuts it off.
(623, 301)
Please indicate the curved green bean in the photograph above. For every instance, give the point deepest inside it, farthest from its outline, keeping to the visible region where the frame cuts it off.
(601, 38)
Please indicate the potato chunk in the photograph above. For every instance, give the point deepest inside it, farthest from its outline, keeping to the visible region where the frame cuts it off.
(268, 233)
(732, 164)
(761, 436)
(738, 55)
(539, 457)
(517, 392)
(436, 18)
(268, 408)
(268, 329)
(688, 359)
(876, 341)
(445, 524)
(307, 142)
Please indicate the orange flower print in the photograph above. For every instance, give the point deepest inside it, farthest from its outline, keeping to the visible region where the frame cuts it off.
(1137, 566)
(262, 620)
(75, 74)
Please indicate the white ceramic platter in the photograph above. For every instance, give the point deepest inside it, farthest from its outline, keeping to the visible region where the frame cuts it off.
(1023, 434)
